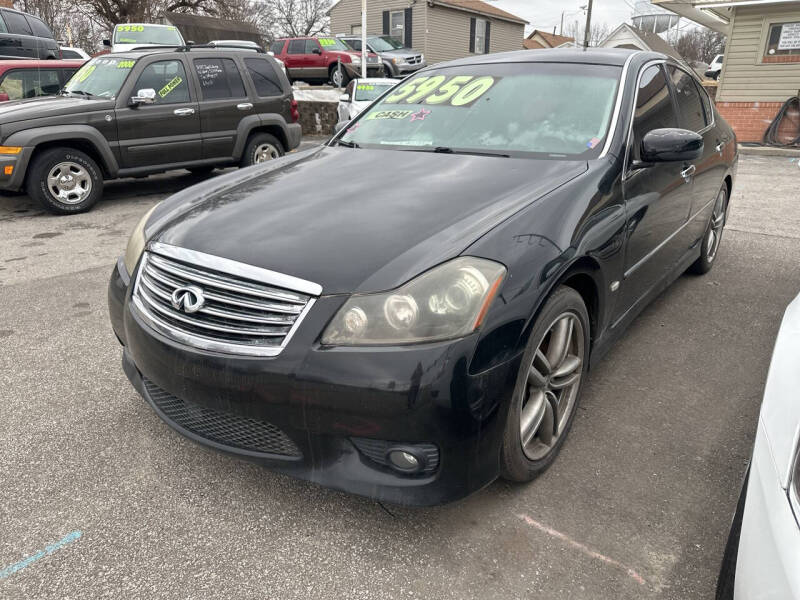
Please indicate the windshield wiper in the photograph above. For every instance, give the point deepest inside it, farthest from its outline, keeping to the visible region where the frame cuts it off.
(347, 144)
(448, 150)
(81, 93)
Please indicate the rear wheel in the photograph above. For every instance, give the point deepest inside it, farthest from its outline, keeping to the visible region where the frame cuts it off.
(261, 147)
(548, 387)
(713, 237)
(64, 181)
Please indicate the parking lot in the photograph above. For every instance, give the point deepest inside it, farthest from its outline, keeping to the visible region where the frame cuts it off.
(637, 505)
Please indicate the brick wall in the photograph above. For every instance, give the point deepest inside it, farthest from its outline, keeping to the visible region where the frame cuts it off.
(6, 3)
(749, 119)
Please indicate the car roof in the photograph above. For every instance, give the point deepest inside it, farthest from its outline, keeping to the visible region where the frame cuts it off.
(7, 65)
(603, 56)
(218, 51)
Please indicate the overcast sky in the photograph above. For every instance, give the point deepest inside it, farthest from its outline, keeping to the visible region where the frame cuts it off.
(546, 14)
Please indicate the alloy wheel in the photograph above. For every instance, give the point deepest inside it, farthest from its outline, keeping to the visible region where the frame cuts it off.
(337, 78)
(265, 152)
(69, 182)
(552, 387)
(718, 218)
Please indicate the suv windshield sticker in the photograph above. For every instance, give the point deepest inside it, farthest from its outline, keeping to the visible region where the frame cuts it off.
(126, 64)
(365, 87)
(459, 90)
(326, 42)
(175, 82)
(130, 28)
(389, 114)
(84, 73)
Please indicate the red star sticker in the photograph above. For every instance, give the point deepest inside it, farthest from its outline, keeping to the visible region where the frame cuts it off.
(420, 116)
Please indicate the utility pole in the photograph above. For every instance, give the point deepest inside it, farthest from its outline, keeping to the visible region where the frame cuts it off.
(588, 25)
(363, 39)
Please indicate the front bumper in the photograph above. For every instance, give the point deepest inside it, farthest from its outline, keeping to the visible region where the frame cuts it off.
(327, 400)
(18, 163)
(769, 546)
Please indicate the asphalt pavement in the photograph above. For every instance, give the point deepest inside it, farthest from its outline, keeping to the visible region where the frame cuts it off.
(100, 499)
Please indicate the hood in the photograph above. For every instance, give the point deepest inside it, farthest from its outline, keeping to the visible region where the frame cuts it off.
(328, 216)
(49, 106)
(401, 53)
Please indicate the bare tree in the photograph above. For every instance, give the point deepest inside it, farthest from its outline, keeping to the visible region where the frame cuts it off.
(597, 33)
(701, 44)
(298, 17)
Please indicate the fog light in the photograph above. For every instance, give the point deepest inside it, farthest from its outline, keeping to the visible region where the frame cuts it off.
(8, 169)
(404, 461)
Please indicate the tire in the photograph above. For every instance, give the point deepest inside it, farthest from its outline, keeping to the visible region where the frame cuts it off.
(727, 572)
(64, 181)
(563, 316)
(259, 147)
(201, 170)
(333, 74)
(709, 247)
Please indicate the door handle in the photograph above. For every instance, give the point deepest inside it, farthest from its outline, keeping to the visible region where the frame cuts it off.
(720, 146)
(688, 172)
(183, 112)
(244, 106)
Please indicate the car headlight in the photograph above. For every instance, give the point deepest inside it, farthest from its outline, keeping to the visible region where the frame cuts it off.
(399, 60)
(136, 243)
(449, 301)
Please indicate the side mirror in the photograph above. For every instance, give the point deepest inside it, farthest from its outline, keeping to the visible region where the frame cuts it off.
(316, 51)
(144, 96)
(344, 98)
(671, 145)
(4, 97)
(339, 126)
(106, 42)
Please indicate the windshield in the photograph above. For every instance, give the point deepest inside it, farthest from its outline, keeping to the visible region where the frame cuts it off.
(370, 91)
(547, 110)
(384, 44)
(101, 77)
(333, 44)
(147, 34)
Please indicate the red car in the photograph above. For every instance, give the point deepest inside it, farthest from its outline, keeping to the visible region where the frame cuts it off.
(20, 79)
(318, 59)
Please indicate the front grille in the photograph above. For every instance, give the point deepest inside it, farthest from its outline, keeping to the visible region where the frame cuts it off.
(220, 427)
(414, 60)
(238, 314)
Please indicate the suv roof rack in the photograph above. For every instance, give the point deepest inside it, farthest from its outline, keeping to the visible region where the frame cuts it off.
(190, 47)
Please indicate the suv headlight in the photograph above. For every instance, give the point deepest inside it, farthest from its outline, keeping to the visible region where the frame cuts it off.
(399, 60)
(136, 242)
(449, 301)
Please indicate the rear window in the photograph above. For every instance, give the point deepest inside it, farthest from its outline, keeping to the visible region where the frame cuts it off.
(30, 83)
(264, 77)
(39, 28)
(219, 78)
(16, 23)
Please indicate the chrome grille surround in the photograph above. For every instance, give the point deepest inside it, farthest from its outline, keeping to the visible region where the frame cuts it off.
(247, 311)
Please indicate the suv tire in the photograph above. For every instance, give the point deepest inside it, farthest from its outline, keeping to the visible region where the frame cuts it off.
(261, 147)
(64, 181)
(334, 74)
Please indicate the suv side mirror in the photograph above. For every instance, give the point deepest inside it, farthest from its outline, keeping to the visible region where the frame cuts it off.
(671, 145)
(144, 96)
(106, 42)
(344, 98)
(316, 51)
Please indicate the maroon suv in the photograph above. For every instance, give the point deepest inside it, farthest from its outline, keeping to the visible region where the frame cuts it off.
(321, 59)
(20, 79)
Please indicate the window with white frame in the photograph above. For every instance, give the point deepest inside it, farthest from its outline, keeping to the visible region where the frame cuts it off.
(783, 39)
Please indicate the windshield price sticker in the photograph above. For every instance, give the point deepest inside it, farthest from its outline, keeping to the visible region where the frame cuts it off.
(327, 42)
(84, 73)
(130, 28)
(389, 114)
(175, 82)
(365, 87)
(459, 90)
(126, 64)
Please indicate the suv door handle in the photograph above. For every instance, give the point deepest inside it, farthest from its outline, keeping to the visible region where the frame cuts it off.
(244, 106)
(688, 172)
(183, 112)
(720, 146)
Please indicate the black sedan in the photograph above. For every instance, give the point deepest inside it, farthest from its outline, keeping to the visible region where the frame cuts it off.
(412, 342)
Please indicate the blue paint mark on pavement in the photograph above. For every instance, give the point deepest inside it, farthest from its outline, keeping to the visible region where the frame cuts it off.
(11, 569)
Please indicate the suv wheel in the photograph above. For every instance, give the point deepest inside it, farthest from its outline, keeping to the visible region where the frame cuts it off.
(260, 148)
(339, 77)
(64, 181)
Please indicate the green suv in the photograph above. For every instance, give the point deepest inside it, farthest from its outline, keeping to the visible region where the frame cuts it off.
(143, 112)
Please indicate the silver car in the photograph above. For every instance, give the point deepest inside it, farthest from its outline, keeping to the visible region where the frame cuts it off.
(398, 61)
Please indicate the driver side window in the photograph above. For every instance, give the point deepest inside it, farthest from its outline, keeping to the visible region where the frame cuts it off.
(654, 107)
(168, 79)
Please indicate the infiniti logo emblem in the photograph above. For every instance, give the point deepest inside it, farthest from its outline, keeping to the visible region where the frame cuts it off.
(189, 299)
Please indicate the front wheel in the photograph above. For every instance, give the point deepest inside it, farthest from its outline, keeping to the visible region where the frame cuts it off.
(262, 147)
(64, 181)
(548, 387)
(339, 77)
(713, 237)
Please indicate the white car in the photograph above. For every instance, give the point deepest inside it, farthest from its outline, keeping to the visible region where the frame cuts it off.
(762, 558)
(359, 94)
(715, 68)
(70, 53)
(129, 36)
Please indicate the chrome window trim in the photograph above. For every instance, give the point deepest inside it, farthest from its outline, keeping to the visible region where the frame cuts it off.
(223, 265)
(659, 61)
(612, 129)
(239, 269)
